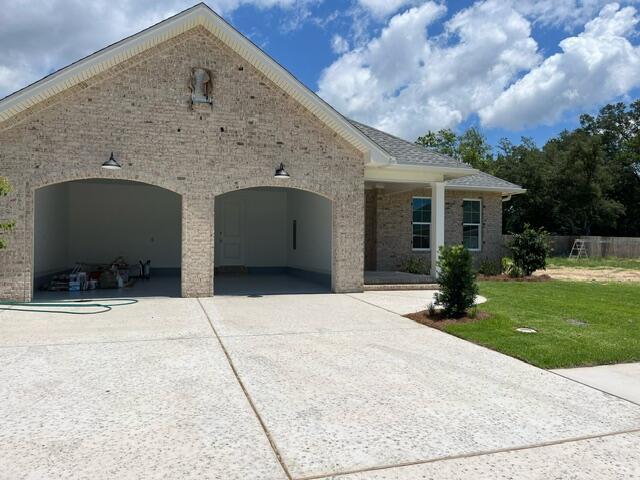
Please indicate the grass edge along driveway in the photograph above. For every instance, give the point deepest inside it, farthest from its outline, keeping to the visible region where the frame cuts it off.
(578, 323)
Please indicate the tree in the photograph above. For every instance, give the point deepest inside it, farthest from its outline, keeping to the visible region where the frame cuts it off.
(443, 141)
(472, 148)
(581, 185)
(525, 165)
(5, 227)
(619, 128)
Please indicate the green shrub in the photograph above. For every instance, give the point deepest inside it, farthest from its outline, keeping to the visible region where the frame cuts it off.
(510, 268)
(490, 267)
(530, 249)
(414, 265)
(457, 280)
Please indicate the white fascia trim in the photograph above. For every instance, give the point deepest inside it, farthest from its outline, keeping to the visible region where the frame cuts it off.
(195, 16)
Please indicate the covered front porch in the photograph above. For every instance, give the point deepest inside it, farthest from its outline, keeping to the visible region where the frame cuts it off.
(404, 224)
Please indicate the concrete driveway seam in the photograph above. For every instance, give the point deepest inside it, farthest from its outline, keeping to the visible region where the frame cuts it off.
(595, 388)
(485, 347)
(103, 342)
(372, 304)
(467, 455)
(331, 332)
(274, 447)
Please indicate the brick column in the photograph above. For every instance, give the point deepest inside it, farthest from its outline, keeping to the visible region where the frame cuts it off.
(347, 263)
(16, 260)
(197, 246)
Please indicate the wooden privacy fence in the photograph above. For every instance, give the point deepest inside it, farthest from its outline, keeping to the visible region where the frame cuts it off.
(623, 247)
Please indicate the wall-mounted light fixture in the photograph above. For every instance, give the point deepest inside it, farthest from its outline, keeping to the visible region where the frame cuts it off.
(111, 164)
(281, 172)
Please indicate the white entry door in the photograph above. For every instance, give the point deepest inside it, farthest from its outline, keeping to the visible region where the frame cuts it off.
(230, 244)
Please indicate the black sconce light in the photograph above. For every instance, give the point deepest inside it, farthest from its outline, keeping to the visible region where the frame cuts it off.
(281, 172)
(111, 164)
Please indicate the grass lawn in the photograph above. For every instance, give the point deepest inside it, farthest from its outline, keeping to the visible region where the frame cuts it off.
(611, 311)
(607, 262)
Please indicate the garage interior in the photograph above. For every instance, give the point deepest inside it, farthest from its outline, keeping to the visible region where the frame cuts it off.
(106, 239)
(272, 240)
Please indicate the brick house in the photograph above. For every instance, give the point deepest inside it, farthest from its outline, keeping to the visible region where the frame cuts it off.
(219, 159)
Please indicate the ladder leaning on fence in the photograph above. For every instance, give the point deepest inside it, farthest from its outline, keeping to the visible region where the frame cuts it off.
(579, 249)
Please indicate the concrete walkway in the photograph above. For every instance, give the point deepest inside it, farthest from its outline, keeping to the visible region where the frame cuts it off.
(289, 387)
(622, 380)
(402, 302)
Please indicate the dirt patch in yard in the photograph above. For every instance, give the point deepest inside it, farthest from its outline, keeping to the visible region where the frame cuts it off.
(439, 321)
(506, 278)
(590, 274)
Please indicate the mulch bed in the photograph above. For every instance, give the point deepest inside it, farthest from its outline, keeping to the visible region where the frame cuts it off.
(439, 321)
(507, 278)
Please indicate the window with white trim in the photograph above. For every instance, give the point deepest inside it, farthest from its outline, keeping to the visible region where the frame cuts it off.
(472, 224)
(421, 223)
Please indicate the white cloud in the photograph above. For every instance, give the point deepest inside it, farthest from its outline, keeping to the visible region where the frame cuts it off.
(399, 78)
(38, 37)
(405, 82)
(594, 67)
(382, 8)
(9, 78)
(567, 14)
(339, 44)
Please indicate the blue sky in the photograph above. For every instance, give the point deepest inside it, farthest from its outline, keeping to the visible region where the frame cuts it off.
(511, 67)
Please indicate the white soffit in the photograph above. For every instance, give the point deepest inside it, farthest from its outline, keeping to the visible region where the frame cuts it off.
(401, 173)
(199, 15)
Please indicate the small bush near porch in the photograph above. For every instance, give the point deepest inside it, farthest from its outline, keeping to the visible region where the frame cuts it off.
(577, 323)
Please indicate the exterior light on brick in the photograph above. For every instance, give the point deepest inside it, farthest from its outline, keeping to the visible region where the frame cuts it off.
(281, 172)
(111, 164)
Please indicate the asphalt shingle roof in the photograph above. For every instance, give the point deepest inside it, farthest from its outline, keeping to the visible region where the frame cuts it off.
(482, 180)
(407, 153)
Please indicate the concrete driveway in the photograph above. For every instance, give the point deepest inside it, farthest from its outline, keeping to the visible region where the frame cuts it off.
(622, 380)
(289, 386)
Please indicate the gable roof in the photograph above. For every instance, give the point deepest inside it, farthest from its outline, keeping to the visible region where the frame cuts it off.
(380, 148)
(198, 15)
(407, 153)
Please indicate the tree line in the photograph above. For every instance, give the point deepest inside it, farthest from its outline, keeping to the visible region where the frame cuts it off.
(581, 182)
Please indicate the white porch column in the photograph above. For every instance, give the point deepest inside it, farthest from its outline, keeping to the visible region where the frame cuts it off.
(437, 223)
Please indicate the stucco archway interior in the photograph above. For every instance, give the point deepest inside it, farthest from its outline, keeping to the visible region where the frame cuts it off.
(90, 237)
(272, 240)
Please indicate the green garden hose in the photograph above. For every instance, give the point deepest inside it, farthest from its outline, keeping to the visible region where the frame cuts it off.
(38, 307)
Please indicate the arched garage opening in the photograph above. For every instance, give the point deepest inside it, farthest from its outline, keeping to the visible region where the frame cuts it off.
(271, 240)
(104, 238)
